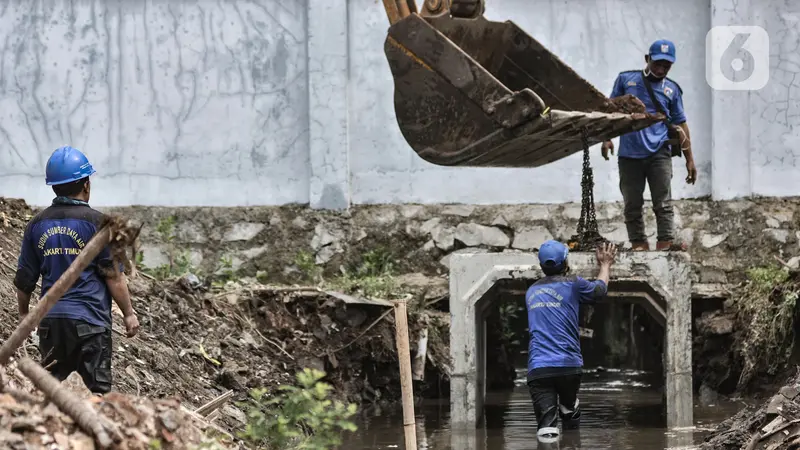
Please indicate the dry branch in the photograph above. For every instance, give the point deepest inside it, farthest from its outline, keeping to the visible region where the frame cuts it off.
(214, 404)
(80, 411)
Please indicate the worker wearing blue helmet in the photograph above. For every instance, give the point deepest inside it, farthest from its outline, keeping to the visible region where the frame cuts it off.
(554, 353)
(75, 335)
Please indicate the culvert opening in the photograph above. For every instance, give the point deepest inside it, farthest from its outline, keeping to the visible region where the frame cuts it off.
(619, 335)
(649, 294)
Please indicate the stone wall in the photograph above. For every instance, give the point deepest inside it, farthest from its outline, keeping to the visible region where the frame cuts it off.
(725, 237)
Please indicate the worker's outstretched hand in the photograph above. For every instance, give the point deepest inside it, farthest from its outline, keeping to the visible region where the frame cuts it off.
(606, 253)
(608, 146)
(131, 325)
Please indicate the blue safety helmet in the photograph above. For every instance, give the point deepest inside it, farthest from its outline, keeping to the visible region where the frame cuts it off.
(66, 165)
(553, 254)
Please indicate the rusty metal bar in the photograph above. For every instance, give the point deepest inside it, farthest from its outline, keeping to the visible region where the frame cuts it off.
(397, 10)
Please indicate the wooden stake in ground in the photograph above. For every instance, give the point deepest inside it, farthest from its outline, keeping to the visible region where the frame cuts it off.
(79, 410)
(404, 356)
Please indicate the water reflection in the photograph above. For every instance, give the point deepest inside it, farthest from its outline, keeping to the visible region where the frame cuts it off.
(620, 410)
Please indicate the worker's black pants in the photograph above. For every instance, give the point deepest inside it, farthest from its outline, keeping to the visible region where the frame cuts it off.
(656, 171)
(69, 345)
(556, 396)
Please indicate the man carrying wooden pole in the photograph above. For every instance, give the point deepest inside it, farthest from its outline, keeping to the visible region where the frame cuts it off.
(65, 246)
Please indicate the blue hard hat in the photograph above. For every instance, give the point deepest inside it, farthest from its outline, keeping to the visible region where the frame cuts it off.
(662, 49)
(66, 165)
(553, 253)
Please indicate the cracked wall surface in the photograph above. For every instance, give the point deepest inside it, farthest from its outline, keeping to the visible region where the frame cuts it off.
(176, 103)
(270, 102)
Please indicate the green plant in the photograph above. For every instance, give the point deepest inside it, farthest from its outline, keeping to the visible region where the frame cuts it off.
(766, 307)
(306, 264)
(226, 271)
(300, 417)
(508, 310)
(178, 263)
(373, 276)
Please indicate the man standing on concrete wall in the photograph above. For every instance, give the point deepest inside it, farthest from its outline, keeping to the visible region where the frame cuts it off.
(75, 335)
(555, 362)
(646, 155)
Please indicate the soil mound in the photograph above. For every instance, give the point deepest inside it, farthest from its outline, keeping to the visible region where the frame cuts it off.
(197, 342)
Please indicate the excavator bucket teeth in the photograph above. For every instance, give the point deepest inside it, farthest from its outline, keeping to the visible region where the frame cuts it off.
(471, 92)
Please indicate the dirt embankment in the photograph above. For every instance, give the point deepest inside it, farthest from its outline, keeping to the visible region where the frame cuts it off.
(752, 343)
(199, 340)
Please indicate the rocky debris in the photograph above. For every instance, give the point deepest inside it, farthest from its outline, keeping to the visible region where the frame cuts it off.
(711, 240)
(327, 242)
(779, 235)
(473, 234)
(444, 238)
(458, 210)
(140, 424)
(715, 323)
(530, 238)
(773, 426)
(626, 104)
(243, 232)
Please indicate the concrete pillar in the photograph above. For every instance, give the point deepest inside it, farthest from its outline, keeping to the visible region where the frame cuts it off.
(472, 276)
(730, 145)
(327, 104)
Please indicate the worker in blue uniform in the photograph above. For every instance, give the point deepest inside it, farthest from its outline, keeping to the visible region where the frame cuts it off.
(554, 353)
(645, 156)
(75, 335)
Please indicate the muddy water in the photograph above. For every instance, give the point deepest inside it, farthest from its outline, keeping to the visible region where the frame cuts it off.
(620, 410)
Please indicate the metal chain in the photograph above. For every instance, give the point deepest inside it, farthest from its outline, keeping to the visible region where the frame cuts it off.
(587, 236)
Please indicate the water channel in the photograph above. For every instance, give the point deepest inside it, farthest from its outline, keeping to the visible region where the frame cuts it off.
(620, 411)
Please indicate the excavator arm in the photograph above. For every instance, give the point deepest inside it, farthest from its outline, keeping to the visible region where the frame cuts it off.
(477, 93)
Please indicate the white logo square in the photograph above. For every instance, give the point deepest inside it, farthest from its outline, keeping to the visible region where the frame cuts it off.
(737, 58)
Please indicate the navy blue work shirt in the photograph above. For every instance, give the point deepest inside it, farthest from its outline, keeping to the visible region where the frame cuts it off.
(645, 142)
(553, 304)
(52, 241)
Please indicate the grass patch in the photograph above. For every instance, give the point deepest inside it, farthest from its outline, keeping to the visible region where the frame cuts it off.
(766, 310)
(372, 277)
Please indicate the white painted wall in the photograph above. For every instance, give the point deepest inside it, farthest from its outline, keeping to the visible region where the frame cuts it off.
(269, 102)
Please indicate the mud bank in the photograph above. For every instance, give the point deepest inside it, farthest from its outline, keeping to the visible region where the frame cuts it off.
(199, 339)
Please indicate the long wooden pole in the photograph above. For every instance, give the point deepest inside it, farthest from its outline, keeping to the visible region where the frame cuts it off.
(407, 388)
(46, 303)
(78, 409)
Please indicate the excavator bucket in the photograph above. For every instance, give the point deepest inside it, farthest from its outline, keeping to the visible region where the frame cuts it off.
(472, 92)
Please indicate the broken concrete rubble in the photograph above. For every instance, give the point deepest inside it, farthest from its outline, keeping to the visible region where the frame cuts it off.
(243, 232)
(473, 234)
(773, 426)
(531, 238)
